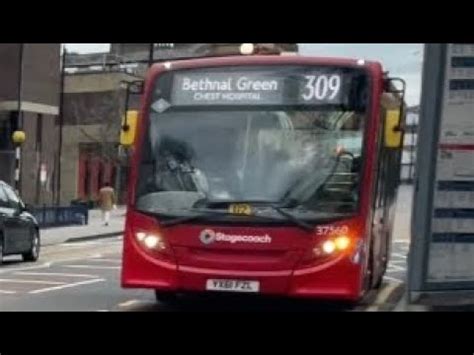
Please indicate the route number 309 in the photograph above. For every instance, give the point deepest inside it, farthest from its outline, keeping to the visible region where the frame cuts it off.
(322, 87)
(325, 230)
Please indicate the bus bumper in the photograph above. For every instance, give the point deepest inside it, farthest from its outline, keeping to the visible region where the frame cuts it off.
(337, 281)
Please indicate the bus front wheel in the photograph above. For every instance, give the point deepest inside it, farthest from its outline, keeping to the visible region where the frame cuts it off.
(375, 275)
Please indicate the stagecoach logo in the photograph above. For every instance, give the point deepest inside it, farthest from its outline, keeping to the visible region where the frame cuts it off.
(208, 236)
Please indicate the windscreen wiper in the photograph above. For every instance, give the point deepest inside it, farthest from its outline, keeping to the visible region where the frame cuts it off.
(300, 223)
(200, 214)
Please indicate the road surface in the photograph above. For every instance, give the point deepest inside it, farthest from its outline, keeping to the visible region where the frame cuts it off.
(85, 277)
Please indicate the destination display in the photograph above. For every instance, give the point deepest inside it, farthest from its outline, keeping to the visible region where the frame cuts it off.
(283, 87)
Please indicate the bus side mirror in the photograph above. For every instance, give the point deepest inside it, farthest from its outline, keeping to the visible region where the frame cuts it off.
(129, 129)
(393, 131)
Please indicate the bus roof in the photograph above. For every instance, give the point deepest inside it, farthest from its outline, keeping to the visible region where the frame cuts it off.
(265, 60)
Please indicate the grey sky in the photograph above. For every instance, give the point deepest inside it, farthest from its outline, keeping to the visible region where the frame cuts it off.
(404, 60)
(87, 47)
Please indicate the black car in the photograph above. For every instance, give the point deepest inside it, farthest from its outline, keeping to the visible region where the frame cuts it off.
(19, 230)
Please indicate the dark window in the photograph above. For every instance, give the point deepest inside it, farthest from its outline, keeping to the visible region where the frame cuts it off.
(7, 127)
(93, 107)
(87, 178)
(13, 200)
(39, 132)
(100, 174)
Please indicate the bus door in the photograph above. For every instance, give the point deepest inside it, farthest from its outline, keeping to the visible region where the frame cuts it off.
(380, 208)
(387, 180)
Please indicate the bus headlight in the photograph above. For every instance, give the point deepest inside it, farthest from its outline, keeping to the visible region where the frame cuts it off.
(151, 241)
(329, 247)
(141, 236)
(342, 242)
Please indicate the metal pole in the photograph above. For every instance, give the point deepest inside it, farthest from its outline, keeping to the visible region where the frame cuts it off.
(127, 98)
(151, 54)
(61, 124)
(126, 86)
(19, 123)
(17, 168)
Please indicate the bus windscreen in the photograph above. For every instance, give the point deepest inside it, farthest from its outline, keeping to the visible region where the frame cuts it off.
(263, 134)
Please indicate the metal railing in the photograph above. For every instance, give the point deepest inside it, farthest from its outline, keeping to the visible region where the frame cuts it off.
(51, 216)
(409, 155)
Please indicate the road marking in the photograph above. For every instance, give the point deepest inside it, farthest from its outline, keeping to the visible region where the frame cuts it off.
(102, 310)
(382, 297)
(394, 267)
(397, 267)
(399, 261)
(79, 244)
(106, 260)
(128, 303)
(18, 281)
(98, 267)
(393, 279)
(43, 266)
(42, 290)
(4, 292)
(55, 274)
(81, 258)
(399, 255)
(86, 244)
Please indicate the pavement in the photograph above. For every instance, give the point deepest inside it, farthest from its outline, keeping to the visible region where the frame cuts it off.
(404, 207)
(94, 230)
(397, 270)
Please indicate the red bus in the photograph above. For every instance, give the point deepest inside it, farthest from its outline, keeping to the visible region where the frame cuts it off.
(263, 174)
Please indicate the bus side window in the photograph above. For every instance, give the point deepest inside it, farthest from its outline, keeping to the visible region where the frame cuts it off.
(387, 176)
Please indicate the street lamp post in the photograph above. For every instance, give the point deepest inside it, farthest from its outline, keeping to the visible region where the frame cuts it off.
(137, 86)
(151, 57)
(18, 138)
(61, 123)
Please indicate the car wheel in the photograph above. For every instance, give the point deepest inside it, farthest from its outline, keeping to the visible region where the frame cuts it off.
(33, 253)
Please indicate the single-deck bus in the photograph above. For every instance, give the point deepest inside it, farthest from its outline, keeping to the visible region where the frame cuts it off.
(263, 174)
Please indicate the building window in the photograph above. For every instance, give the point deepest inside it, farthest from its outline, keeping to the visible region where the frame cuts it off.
(8, 125)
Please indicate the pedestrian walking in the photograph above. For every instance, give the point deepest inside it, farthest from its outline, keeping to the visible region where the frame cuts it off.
(106, 202)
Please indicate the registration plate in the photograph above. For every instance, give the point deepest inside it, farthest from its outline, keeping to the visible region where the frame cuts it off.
(233, 285)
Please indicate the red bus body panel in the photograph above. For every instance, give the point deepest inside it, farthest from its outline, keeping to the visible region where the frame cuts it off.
(282, 267)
